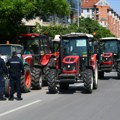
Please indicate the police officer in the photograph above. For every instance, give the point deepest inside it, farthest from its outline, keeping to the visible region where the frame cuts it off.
(3, 70)
(15, 70)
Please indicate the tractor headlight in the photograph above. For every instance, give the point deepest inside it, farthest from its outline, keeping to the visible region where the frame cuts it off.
(69, 67)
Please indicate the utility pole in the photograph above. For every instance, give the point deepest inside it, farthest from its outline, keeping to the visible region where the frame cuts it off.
(78, 10)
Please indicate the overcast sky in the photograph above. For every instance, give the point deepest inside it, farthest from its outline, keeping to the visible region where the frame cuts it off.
(115, 5)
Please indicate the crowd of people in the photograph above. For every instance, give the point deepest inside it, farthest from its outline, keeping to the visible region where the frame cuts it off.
(13, 69)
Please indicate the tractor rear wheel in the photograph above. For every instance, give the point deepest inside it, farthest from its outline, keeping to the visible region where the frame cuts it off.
(95, 82)
(118, 73)
(37, 79)
(88, 80)
(52, 85)
(26, 81)
(101, 74)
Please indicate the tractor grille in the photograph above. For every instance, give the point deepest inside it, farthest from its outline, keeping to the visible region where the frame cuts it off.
(106, 59)
(68, 67)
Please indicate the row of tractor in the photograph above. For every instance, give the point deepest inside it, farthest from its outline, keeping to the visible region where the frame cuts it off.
(71, 58)
(83, 60)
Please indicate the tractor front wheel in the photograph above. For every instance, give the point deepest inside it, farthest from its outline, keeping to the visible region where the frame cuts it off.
(52, 85)
(88, 80)
(118, 73)
(26, 81)
(95, 82)
(37, 79)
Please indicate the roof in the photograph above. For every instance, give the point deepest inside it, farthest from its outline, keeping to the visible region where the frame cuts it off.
(73, 34)
(102, 3)
(10, 45)
(29, 35)
(89, 3)
(110, 38)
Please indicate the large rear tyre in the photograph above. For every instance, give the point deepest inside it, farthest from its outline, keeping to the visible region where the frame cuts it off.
(88, 80)
(52, 85)
(101, 74)
(37, 79)
(26, 81)
(95, 82)
(118, 70)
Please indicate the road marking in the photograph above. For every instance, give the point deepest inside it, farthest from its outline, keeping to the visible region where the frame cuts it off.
(21, 107)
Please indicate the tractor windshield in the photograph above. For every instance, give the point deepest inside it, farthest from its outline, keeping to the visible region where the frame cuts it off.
(74, 46)
(108, 46)
(5, 50)
(31, 45)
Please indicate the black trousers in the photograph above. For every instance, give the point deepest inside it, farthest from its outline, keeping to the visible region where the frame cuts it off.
(15, 85)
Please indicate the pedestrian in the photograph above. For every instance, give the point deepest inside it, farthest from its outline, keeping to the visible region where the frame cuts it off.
(16, 69)
(3, 70)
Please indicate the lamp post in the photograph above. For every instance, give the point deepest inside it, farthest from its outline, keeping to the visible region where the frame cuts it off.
(78, 11)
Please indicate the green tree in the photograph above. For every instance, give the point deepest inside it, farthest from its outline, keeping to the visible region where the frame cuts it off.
(87, 25)
(13, 11)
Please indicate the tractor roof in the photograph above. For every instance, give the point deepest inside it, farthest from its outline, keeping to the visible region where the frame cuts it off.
(73, 34)
(29, 35)
(10, 45)
(110, 38)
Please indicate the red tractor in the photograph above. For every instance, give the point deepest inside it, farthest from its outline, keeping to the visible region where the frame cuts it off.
(77, 63)
(38, 53)
(109, 55)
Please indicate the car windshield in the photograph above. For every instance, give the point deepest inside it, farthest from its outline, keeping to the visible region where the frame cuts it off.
(74, 46)
(5, 50)
(108, 46)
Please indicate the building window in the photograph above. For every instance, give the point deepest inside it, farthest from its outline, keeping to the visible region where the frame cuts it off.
(97, 17)
(87, 9)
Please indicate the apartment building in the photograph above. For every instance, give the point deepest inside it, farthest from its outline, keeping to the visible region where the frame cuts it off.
(101, 11)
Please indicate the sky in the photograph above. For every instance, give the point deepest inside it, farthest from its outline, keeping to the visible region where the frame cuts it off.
(115, 5)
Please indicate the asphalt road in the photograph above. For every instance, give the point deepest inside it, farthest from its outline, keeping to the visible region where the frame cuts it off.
(102, 104)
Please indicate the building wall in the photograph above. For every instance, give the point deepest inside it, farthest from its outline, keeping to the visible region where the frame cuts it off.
(106, 16)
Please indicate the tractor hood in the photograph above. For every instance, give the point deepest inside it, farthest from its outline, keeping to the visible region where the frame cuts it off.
(70, 59)
(107, 58)
(109, 54)
(70, 65)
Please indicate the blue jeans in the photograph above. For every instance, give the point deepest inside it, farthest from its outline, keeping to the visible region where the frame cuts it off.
(15, 82)
(2, 86)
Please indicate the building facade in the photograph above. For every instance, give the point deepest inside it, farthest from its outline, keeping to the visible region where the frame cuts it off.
(100, 10)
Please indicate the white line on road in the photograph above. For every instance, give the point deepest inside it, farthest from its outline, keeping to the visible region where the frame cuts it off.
(21, 107)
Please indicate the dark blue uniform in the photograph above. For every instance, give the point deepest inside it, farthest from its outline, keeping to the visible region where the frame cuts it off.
(3, 70)
(15, 71)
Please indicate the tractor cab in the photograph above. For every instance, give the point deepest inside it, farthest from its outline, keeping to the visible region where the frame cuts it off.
(76, 47)
(6, 50)
(109, 54)
(35, 47)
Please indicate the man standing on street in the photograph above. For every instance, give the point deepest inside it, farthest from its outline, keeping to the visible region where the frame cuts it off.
(15, 70)
(3, 70)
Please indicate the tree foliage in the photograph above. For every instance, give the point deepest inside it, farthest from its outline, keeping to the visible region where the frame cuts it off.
(87, 25)
(13, 11)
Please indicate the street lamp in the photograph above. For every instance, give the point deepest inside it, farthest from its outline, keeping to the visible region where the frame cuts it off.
(78, 9)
